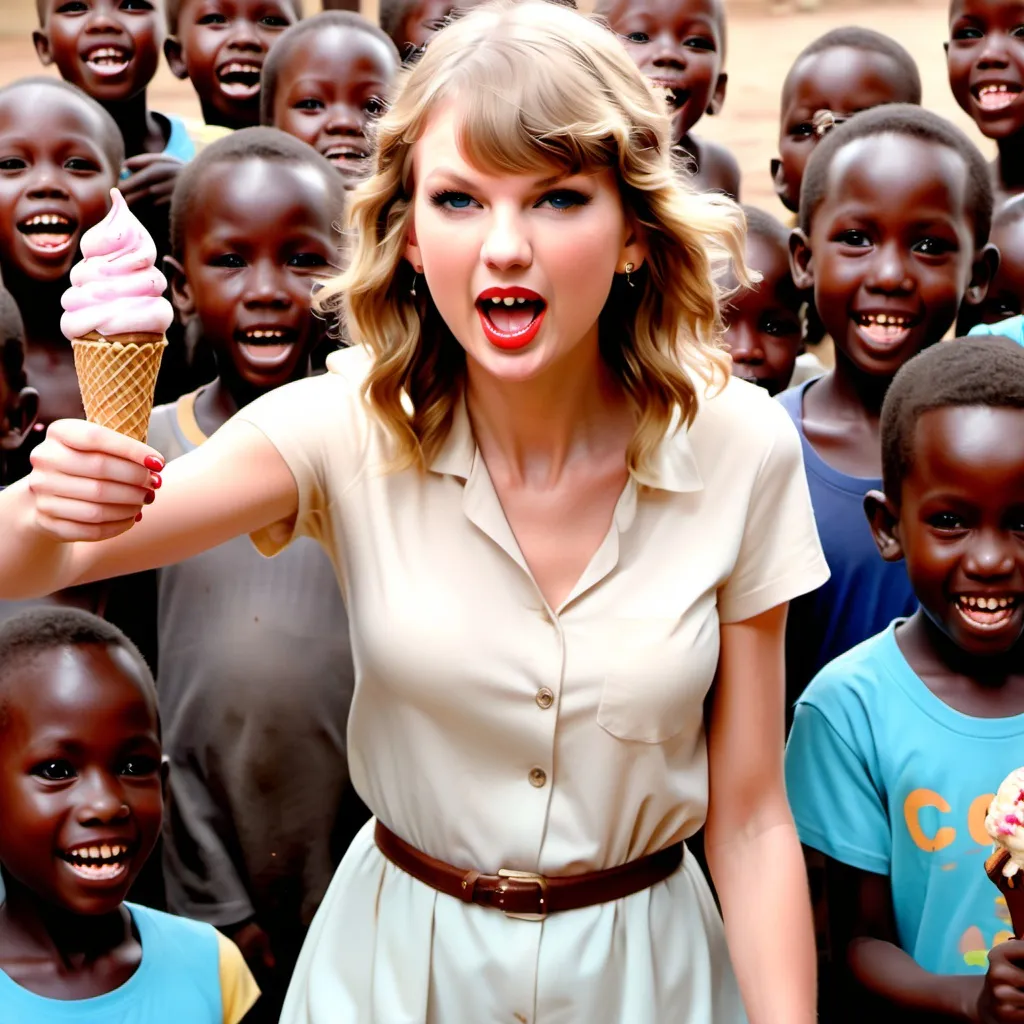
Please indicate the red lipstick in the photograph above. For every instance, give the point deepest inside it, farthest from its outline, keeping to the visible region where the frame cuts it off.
(510, 317)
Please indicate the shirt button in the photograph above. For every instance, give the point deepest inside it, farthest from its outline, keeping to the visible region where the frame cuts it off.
(538, 777)
(545, 698)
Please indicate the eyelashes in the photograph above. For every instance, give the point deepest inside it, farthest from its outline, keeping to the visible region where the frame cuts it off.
(559, 200)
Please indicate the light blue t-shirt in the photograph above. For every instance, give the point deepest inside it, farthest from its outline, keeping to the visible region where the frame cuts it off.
(1013, 328)
(177, 982)
(179, 143)
(885, 777)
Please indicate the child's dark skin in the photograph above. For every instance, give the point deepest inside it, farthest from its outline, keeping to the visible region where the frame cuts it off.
(985, 60)
(844, 80)
(330, 89)
(423, 20)
(111, 50)
(883, 244)
(19, 404)
(257, 238)
(80, 767)
(680, 44)
(1005, 296)
(764, 331)
(221, 46)
(53, 165)
(959, 524)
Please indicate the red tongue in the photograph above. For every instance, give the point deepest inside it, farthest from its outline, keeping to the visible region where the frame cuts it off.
(512, 319)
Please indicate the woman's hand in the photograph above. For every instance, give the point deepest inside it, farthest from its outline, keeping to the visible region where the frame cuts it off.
(89, 482)
(1002, 997)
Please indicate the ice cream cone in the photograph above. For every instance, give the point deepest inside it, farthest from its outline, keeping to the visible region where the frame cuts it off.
(1012, 888)
(117, 378)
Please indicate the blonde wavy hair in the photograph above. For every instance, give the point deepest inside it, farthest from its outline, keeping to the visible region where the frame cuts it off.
(539, 87)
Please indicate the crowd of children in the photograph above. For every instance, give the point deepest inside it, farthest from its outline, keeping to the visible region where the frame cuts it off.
(905, 671)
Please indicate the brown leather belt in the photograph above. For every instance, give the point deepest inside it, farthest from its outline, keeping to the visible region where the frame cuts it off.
(526, 895)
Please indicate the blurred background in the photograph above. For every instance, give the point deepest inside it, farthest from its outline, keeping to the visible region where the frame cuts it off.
(764, 38)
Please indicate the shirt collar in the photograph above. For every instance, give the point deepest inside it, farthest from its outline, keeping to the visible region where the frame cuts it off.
(673, 466)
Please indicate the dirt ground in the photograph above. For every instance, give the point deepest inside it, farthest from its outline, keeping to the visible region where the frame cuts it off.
(762, 45)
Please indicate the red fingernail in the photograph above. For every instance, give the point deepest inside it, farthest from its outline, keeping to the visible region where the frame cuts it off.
(138, 518)
(153, 463)
(149, 499)
(156, 481)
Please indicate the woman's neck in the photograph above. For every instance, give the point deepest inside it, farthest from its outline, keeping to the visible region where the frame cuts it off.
(539, 426)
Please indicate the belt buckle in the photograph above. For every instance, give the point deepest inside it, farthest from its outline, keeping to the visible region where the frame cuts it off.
(525, 876)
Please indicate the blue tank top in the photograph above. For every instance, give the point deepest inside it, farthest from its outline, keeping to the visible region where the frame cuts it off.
(864, 593)
(177, 982)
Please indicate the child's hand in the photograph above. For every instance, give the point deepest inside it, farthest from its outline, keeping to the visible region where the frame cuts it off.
(1002, 997)
(254, 944)
(89, 482)
(152, 178)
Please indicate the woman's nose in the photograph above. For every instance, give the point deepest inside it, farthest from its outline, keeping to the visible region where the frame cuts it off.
(506, 244)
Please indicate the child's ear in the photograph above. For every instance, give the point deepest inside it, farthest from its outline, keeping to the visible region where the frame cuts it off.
(42, 44)
(884, 521)
(181, 292)
(800, 261)
(21, 418)
(782, 186)
(983, 272)
(175, 58)
(718, 96)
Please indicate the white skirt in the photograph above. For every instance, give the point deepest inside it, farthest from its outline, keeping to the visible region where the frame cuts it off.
(387, 949)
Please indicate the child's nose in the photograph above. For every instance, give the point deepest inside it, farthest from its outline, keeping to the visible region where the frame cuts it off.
(993, 53)
(344, 120)
(888, 271)
(744, 344)
(101, 799)
(990, 555)
(46, 183)
(102, 20)
(266, 288)
(244, 36)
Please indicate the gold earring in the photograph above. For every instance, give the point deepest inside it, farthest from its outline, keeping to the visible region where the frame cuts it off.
(629, 270)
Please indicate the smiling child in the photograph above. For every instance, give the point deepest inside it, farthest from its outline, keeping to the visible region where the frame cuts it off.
(81, 801)
(680, 46)
(1005, 296)
(220, 46)
(327, 79)
(895, 215)
(255, 836)
(60, 154)
(841, 73)
(908, 735)
(985, 61)
(19, 404)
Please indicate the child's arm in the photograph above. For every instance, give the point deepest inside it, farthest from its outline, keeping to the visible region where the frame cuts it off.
(888, 984)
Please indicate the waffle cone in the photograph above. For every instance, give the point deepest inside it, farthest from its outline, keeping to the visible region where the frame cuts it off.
(117, 378)
(1012, 889)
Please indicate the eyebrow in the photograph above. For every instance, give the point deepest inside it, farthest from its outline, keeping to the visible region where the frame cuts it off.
(460, 182)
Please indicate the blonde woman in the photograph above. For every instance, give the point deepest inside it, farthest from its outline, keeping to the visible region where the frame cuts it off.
(556, 523)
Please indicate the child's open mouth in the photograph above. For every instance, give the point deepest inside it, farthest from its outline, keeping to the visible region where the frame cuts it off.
(347, 153)
(108, 60)
(50, 234)
(266, 347)
(886, 330)
(996, 95)
(239, 79)
(511, 317)
(987, 612)
(676, 93)
(98, 863)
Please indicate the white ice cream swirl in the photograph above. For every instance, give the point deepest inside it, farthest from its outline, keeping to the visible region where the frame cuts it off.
(1005, 820)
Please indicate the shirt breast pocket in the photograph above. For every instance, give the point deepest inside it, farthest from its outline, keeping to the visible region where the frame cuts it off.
(660, 671)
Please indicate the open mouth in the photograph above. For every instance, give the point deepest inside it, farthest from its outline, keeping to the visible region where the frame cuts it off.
(239, 79)
(886, 330)
(99, 863)
(267, 347)
(511, 317)
(108, 60)
(987, 612)
(675, 93)
(50, 234)
(343, 153)
(996, 95)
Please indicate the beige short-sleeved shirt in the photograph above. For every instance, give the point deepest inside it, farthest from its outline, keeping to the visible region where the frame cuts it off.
(492, 732)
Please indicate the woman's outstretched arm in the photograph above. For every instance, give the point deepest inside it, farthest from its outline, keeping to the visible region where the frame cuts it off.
(751, 842)
(73, 518)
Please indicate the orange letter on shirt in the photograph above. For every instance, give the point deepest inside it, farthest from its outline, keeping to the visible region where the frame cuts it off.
(912, 807)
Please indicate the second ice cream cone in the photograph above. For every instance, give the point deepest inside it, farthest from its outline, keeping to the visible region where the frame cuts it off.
(117, 378)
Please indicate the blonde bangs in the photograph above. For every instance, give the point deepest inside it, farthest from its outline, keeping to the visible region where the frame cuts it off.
(539, 88)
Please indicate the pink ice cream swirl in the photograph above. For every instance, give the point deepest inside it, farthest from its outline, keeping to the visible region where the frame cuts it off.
(116, 288)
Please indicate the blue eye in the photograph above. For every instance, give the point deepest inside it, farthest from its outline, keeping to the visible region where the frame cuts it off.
(450, 200)
(565, 199)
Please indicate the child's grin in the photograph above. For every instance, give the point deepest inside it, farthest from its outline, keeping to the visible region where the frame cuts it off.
(995, 96)
(98, 862)
(240, 79)
(49, 234)
(885, 331)
(987, 612)
(107, 60)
